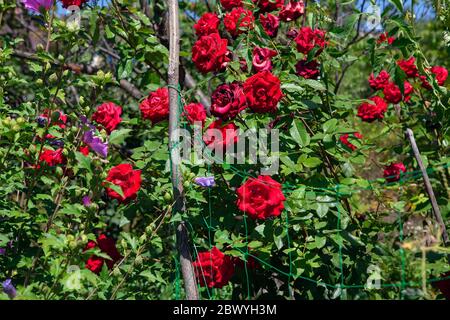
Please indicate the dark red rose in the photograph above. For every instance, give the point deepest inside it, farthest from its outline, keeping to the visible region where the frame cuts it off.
(409, 67)
(220, 136)
(268, 5)
(156, 106)
(106, 245)
(380, 81)
(208, 23)
(444, 285)
(308, 70)
(307, 39)
(108, 115)
(292, 11)
(393, 94)
(238, 21)
(213, 268)
(371, 111)
(261, 198)
(230, 4)
(270, 23)
(84, 150)
(127, 179)
(384, 37)
(261, 59)
(210, 53)
(440, 74)
(348, 144)
(228, 100)
(195, 112)
(52, 158)
(393, 171)
(263, 92)
(67, 3)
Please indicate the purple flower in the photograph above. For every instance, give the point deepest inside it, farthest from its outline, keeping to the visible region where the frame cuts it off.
(35, 5)
(95, 143)
(206, 182)
(86, 201)
(57, 143)
(41, 121)
(9, 289)
(2, 251)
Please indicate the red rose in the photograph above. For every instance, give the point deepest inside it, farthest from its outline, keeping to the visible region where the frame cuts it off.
(261, 59)
(68, 3)
(393, 171)
(238, 21)
(230, 4)
(228, 100)
(270, 23)
(409, 67)
(108, 115)
(348, 144)
(156, 106)
(292, 11)
(218, 135)
(213, 268)
(261, 197)
(385, 37)
(307, 39)
(307, 70)
(195, 112)
(84, 150)
(210, 53)
(372, 111)
(106, 245)
(127, 179)
(268, 5)
(208, 23)
(440, 73)
(52, 158)
(393, 94)
(263, 92)
(380, 81)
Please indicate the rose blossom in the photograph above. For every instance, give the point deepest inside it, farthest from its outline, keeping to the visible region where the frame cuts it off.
(68, 3)
(238, 21)
(371, 111)
(292, 11)
(268, 5)
(380, 81)
(108, 115)
(348, 144)
(393, 171)
(270, 23)
(263, 92)
(208, 23)
(393, 94)
(210, 53)
(409, 67)
(261, 59)
(261, 197)
(307, 39)
(106, 245)
(384, 37)
(156, 106)
(228, 100)
(52, 158)
(230, 4)
(440, 74)
(195, 112)
(213, 268)
(218, 135)
(127, 179)
(307, 70)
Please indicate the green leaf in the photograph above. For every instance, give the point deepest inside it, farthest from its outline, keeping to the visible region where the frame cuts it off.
(83, 161)
(299, 134)
(119, 136)
(312, 162)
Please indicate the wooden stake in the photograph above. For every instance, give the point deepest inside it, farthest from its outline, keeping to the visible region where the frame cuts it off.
(187, 269)
(428, 187)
